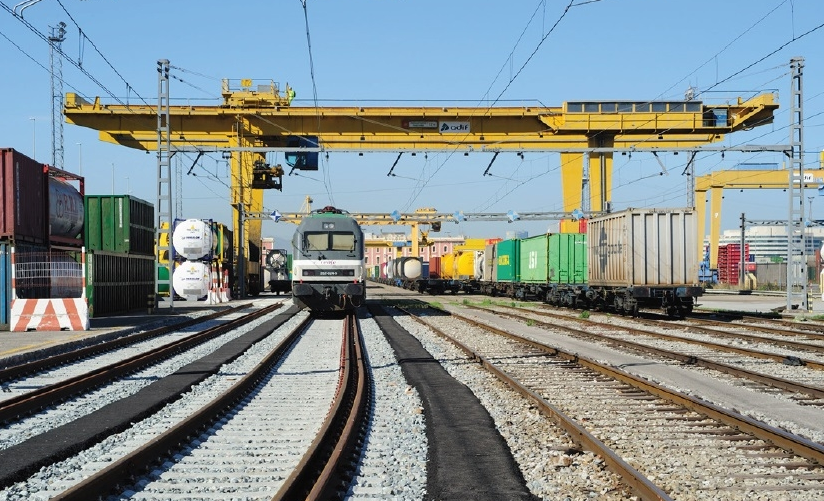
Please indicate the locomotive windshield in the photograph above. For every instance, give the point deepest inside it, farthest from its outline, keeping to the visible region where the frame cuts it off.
(329, 241)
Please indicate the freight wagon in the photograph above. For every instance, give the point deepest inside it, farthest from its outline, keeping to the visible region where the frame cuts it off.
(626, 261)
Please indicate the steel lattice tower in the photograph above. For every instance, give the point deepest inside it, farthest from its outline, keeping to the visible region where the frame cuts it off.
(796, 248)
(58, 34)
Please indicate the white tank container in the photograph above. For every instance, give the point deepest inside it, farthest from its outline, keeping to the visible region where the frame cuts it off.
(193, 239)
(192, 279)
(407, 268)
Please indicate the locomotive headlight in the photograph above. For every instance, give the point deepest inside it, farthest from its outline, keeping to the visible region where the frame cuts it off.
(328, 226)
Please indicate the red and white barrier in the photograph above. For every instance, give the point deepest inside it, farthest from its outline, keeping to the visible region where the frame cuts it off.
(224, 288)
(214, 290)
(49, 314)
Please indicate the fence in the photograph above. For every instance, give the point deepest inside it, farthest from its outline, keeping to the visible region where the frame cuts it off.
(48, 290)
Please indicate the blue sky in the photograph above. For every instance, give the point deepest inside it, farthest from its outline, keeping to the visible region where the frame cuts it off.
(401, 52)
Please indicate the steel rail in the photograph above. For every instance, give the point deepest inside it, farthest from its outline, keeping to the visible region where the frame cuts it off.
(123, 471)
(723, 347)
(321, 471)
(33, 401)
(775, 382)
(785, 440)
(17, 371)
(785, 328)
(814, 326)
(634, 479)
(726, 325)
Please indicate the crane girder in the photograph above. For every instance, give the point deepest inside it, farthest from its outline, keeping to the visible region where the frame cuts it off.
(419, 128)
(258, 118)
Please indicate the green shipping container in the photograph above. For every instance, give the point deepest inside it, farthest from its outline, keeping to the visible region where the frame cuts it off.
(119, 223)
(559, 258)
(508, 269)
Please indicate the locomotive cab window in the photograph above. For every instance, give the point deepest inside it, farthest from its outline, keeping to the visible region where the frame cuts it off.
(329, 241)
(343, 241)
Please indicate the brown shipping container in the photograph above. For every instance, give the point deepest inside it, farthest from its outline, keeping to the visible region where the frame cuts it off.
(24, 198)
(643, 247)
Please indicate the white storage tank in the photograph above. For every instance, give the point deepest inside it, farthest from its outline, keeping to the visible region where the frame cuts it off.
(194, 239)
(192, 279)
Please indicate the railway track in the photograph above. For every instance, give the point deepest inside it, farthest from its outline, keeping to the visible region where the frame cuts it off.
(57, 435)
(297, 410)
(288, 378)
(793, 377)
(679, 446)
(45, 389)
(20, 371)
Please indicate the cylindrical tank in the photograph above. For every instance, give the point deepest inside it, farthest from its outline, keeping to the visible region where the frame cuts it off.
(192, 279)
(276, 264)
(276, 258)
(464, 265)
(193, 239)
(65, 209)
(407, 267)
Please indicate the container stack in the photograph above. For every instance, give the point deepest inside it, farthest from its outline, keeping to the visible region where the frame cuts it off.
(41, 222)
(203, 253)
(119, 239)
(729, 263)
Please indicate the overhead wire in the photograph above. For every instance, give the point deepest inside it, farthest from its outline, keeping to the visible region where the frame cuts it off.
(327, 180)
(85, 37)
(62, 53)
(414, 195)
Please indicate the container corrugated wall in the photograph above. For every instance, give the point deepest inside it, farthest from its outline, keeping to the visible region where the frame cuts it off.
(533, 259)
(23, 199)
(508, 267)
(558, 258)
(568, 258)
(490, 263)
(119, 223)
(652, 247)
(118, 283)
(435, 267)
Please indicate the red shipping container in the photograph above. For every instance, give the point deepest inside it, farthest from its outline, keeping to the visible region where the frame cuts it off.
(435, 267)
(23, 199)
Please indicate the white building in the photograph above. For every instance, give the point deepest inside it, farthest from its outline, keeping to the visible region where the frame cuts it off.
(769, 243)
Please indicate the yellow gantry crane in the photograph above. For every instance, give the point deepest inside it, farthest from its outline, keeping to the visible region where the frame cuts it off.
(252, 120)
(716, 182)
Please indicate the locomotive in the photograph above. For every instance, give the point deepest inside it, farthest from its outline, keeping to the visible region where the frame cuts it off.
(327, 262)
